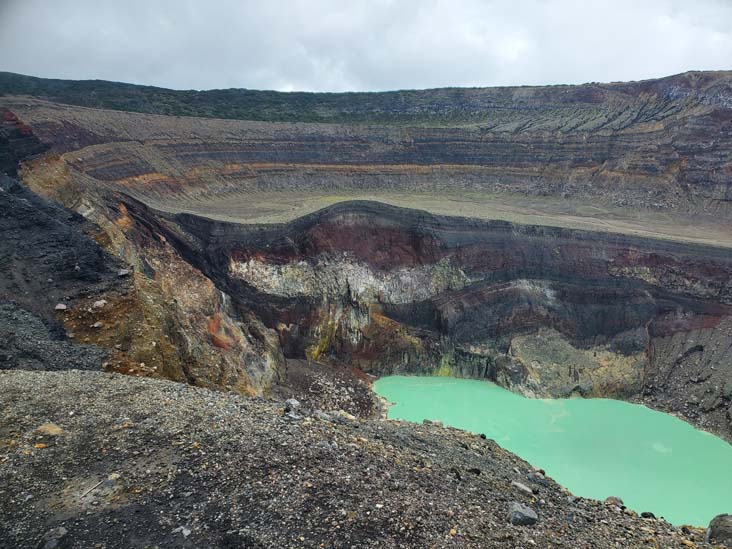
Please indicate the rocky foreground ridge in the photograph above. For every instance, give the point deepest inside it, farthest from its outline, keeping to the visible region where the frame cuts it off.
(104, 460)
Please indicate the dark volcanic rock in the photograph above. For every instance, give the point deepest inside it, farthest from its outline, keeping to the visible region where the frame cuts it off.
(658, 144)
(321, 386)
(45, 255)
(45, 258)
(521, 514)
(394, 290)
(55, 538)
(17, 142)
(141, 462)
(29, 344)
(720, 530)
(281, 308)
(541, 310)
(52, 267)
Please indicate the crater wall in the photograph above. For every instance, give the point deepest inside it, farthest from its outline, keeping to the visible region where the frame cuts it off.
(538, 306)
(541, 310)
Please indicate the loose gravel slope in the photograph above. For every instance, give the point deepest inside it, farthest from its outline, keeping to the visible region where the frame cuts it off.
(89, 459)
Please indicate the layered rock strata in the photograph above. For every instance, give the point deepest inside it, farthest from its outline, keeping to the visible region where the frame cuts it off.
(78, 294)
(659, 144)
(544, 311)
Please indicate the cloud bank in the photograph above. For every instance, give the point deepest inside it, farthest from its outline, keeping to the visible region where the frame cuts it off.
(336, 45)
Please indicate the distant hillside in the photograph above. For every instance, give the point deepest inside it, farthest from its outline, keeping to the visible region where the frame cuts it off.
(445, 106)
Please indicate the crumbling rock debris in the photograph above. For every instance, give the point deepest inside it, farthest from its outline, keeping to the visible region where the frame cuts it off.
(234, 472)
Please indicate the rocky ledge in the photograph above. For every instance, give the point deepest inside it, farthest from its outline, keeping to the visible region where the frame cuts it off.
(89, 459)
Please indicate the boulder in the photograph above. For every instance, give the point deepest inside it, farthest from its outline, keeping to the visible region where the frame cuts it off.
(50, 430)
(522, 488)
(321, 415)
(521, 515)
(720, 530)
(613, 500)
(54, 538)
(291, 405)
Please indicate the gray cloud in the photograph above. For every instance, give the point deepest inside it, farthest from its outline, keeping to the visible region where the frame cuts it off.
(334, 45)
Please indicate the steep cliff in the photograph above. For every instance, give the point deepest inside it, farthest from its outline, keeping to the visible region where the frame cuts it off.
(606, 273)
(66, 302)
(655, 145)
(541, 310)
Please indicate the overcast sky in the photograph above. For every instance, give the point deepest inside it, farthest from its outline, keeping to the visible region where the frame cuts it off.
(335, 45)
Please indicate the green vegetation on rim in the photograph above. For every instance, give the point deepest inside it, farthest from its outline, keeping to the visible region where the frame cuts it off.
(245, 104)
(449, 107)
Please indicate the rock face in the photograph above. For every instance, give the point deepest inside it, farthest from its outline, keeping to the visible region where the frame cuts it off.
(45, 254)
(169, 320)
(17, 142)
(659, 144)
(544, 310)
(132, 278)
(45, 257)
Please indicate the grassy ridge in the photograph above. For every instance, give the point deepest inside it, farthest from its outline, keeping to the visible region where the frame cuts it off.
(449, 105)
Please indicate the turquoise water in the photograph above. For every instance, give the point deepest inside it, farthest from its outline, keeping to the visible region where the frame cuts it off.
(595, 447)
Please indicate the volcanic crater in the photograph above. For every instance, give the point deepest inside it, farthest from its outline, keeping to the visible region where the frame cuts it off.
(559, 241)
